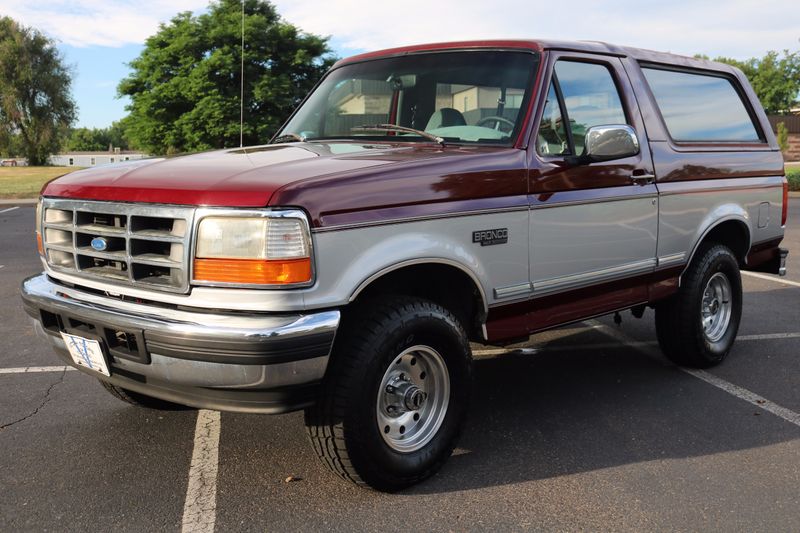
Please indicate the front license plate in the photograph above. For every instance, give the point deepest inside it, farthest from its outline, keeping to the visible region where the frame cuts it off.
(86, 353)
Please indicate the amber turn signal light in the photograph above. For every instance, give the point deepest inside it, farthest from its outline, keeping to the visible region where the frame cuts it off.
(39, 244)
(253, 271)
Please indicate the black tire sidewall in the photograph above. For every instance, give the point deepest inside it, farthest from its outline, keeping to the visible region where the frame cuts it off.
(718, 259)
(395, 469)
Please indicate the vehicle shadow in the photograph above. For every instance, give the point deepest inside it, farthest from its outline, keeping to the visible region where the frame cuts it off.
(565, 410)
(560, 412)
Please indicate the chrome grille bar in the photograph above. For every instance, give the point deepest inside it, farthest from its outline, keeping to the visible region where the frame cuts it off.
(142, 245)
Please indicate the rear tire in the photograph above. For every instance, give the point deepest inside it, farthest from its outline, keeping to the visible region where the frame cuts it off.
(395, 396)
(697, 326)
(141, 400)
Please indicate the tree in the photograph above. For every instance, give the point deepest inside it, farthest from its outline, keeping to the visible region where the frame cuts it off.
(775, 79)
(98, 139)
(85, 139)
(185, 84)
(36, 106)
(782, 135)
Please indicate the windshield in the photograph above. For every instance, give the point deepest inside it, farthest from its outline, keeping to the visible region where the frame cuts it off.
(463, 97)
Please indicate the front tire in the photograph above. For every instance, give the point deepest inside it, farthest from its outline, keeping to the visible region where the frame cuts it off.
(697, 326)
(395, 396)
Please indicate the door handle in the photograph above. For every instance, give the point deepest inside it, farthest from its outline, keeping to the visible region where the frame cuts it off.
(643, 179)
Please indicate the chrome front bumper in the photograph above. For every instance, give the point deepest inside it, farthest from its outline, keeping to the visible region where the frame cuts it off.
(229, 362)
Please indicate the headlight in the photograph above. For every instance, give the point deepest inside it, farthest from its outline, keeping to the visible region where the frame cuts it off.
(244, 250)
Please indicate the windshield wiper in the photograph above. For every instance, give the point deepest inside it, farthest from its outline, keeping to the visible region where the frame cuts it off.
(394, 127)
(287, 138)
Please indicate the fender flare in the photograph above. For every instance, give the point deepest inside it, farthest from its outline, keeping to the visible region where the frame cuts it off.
(740, 216)
(422, 261)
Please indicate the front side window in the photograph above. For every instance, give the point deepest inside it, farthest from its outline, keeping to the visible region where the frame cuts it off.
(700, 107)
(463, 97)
(590, 97)
(552, 138)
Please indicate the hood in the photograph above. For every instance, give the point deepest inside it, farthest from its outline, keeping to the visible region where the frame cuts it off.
(239, 177)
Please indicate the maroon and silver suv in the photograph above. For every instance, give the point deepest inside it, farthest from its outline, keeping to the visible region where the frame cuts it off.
(419, 199)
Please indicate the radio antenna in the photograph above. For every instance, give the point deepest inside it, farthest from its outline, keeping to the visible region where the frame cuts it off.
(241, 89)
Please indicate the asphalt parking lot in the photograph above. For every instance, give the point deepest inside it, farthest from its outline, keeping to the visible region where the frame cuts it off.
(590, 430)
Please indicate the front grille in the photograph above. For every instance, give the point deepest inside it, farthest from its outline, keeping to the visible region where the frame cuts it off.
(140, 245)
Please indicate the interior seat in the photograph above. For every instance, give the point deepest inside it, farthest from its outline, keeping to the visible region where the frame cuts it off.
(444, 117)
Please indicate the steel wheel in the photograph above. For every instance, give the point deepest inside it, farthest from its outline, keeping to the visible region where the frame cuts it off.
(405, 353)
(413, 399)
(716, 307)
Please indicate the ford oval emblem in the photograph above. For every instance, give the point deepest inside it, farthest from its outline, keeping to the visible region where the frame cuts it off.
(99, 244)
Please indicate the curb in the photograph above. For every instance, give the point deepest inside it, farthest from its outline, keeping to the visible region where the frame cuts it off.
(794, 194)
(19, 201)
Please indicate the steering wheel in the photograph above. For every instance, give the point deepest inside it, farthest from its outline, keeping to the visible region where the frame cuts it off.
(497, 122)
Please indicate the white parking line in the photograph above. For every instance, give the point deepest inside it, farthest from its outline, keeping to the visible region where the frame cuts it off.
(730, 388)
(746, 395)
(771, 278)
(33, 369)
(768, 336)
(9, 209)
(200, 509)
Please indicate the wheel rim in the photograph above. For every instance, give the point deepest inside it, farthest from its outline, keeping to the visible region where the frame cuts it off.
(716, 307)
(413, 398)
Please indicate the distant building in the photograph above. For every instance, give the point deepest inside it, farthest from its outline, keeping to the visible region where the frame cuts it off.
(92, 159)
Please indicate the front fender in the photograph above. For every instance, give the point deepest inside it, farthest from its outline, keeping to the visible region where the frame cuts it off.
(349, 260)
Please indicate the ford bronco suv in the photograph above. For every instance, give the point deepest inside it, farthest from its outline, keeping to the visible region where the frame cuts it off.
(420, 198)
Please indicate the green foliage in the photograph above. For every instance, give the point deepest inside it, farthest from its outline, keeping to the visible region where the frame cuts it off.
(9, 143)
(36, 107)
(782, 136)
(98, 139)
(793, 176)
(85, 139)
(775, 78)
(185, 85)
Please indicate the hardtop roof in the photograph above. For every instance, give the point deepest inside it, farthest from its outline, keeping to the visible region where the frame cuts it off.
(539, 45)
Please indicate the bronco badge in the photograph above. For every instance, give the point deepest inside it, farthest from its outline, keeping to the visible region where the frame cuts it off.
(488, 237)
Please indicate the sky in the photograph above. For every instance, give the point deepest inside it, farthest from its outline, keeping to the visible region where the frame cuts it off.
(99, 37)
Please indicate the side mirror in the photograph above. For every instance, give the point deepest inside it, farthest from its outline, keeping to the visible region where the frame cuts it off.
(604, 143)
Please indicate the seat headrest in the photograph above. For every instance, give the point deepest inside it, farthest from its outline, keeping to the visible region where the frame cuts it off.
(444, 117)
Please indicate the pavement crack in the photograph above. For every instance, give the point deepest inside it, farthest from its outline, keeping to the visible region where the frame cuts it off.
(44, 402)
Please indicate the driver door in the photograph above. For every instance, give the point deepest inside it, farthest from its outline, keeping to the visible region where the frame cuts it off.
(593, 226)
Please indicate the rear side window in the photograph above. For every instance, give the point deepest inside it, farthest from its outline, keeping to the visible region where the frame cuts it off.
(700, 107)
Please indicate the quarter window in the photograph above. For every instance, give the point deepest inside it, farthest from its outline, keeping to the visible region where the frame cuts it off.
(700, 107)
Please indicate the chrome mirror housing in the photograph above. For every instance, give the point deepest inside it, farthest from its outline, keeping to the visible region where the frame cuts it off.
(615, 141)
